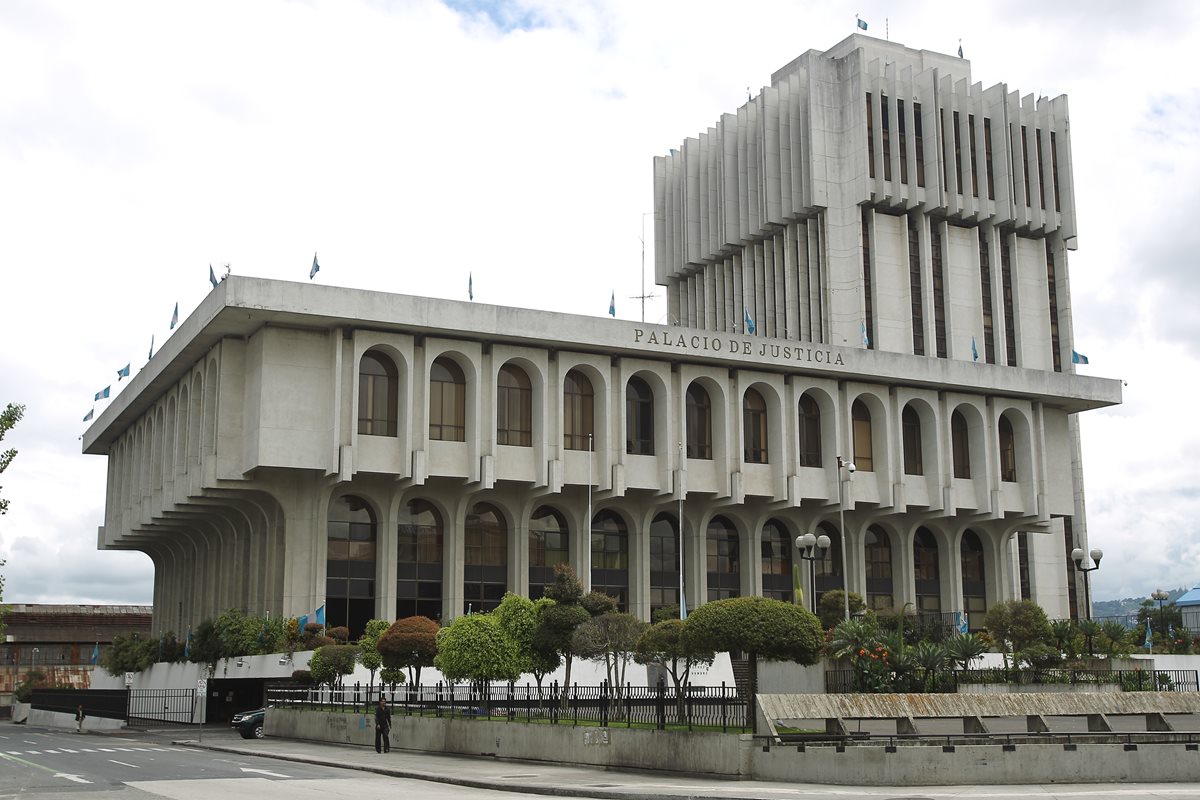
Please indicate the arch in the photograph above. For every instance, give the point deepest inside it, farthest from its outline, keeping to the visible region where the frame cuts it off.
(776, 543)
(809, 452)
(485, 558)
(610, 557)
(378, 394)
(960, 445)
(698, 415)
(447, 401)
(754, 428)
(864, 447)
(910, 427)
(549, 546)
(210, 408)
(514, 407)
(664, 562)
(724, 559)
(881, 592)
(419, 554)
(351, 528)
(579, 416)
(828, 570)
(1007, 441)
(926, 572)
(639, 418)
(974, 579)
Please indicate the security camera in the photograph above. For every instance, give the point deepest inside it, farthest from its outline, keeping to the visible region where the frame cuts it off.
(851, 468)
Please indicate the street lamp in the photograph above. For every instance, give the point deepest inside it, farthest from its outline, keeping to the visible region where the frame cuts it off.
(1160, 596)
(1077, 555)
(850, 468)
(813, 549)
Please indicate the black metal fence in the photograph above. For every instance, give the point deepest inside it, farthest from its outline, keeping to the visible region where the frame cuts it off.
(848, 681)
(104, 703)
(146, 707)
(162, 706)
(704, 707)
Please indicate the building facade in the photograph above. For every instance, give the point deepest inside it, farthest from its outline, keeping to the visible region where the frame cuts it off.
(865, 264)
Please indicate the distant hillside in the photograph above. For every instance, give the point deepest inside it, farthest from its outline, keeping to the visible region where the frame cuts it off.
(1130, 605)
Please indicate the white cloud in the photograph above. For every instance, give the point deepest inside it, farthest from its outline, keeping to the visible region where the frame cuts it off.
(410, 144)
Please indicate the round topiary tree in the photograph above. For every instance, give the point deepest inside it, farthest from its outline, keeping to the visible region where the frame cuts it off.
(760, 627)
(410, 643)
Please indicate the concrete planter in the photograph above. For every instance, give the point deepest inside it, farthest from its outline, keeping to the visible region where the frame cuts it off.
(1028, 688)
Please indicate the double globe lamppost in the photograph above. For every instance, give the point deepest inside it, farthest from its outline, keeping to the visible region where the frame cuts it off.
(1078, 556)
(813, 548)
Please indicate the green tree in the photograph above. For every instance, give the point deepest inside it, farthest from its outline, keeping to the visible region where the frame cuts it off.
(761, 628)
(475, 648)
(609, 638)
(410, 643)
(931, 658)
(664, 644)
(1115, 639)
(368, 646)
(557, 623)
(11, 416)
(332, 663)
(832, 608)
(1017, 625)
(130, 653)
(963, 648)
(519, 618)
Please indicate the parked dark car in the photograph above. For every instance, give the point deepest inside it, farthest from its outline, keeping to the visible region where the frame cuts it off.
(250, 723)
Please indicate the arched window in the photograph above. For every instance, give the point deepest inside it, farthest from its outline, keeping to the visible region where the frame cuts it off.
(926, 572)
(578, 414)
(378, 389)
(810, 432)
(910, 422)
(974, 580)
(699, 422)
(724, 573)
(664, 562)
(447, 402)
(860, 418)
(350, 564)
(514, 407)
(880, 591)
(828, 570)
(639, 418)
(754, 424)
(1008, 451)
(961, 445)
(777, 562)
(548, 547)
(485, 562)
(419, 562)
(610, 557)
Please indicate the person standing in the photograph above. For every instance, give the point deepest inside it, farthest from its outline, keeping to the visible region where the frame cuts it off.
(79, 717)
(383, 727)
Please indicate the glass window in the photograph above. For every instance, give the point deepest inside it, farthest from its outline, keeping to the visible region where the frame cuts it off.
(514, 407)
(828, 570)
(810, 432)
(610, 557)
(1008, 451)
(447, 402)
(863, 447)
(878, 555)
(754, 420)
(777, 561)
(974, 581)
(485, 563)
(350, 564)
(378, 390)
(664, 562)
(721, 541)
(639, 418)
(419, 562)
(961, 445)
(911, 425)
(699, 423)
(578, 415)
(549, 546)
(926, 573)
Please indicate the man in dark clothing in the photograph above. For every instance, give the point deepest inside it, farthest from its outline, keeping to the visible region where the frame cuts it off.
(383, 727)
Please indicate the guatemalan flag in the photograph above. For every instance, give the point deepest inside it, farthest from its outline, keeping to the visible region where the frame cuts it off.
(175, 317)
(748, 320)
(612, 305)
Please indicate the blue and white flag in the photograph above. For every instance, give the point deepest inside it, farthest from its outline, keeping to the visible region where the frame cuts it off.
(123, 372)
(96, 653)
(320, 615)
(89, 415)
(612, 305)
(974, 350)
(103, 393)
(862, 24)
(1078, 358)
(866, 339)
(302, 620)
(187, 645)
(175, 317)
(151, 348)
(748, 321)
(471, 286)
(963, 628)
(212, 276)
(315, 268)
(1147, 643)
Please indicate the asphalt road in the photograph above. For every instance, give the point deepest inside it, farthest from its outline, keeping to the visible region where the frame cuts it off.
(50, 763)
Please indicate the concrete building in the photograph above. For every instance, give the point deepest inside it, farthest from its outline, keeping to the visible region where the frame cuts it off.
(866, 263)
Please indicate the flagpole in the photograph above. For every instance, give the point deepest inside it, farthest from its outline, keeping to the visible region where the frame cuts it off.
(682, 602)
(587, 550)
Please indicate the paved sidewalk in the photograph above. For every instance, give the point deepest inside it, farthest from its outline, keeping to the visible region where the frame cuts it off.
(574, 781)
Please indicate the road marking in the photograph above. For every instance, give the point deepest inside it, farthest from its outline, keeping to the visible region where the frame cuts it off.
(123, 764)
(264, 772)
(14, 752)
(75, 778)
(87, 750)
(51, 751)
(33, 752)
(65, 750)
(105, 750)
(125, 749)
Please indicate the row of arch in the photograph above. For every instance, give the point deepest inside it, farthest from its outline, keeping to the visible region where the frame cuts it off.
(354, 537)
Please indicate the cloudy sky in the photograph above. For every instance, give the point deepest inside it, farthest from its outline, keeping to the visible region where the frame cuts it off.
(411, 143)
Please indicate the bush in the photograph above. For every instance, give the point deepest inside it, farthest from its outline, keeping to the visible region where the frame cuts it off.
(340, 634)
(302, 676)
(34, 679)
(832, 608)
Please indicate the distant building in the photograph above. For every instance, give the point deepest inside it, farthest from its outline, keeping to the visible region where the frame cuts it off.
(868, 260)
(1189, 608)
